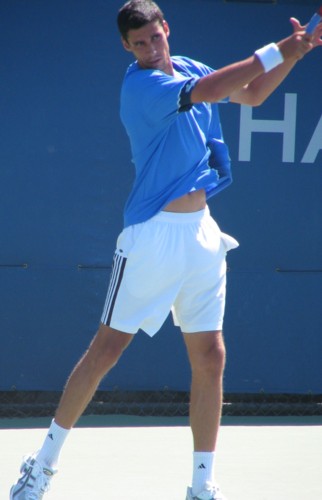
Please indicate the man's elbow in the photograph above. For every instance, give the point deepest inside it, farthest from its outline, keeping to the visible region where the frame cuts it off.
(254, 99)
(247, 98)
(258, 101)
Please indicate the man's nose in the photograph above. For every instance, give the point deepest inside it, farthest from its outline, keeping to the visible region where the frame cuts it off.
(152, 48)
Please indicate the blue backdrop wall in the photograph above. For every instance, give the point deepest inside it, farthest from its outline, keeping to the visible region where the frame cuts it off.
(65, 173)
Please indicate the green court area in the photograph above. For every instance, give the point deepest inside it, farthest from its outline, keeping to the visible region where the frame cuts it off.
(143, 458)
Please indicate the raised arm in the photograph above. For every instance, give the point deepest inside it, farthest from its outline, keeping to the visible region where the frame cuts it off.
(246, 82)
(259, 89)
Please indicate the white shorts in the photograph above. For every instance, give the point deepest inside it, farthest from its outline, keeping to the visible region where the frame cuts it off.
(174, 261)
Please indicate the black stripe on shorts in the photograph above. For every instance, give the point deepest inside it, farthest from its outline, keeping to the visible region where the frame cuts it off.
(115, 281)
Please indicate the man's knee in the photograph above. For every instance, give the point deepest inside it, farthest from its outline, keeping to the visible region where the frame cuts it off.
(212, 362)
(107, 347)
(208, 356)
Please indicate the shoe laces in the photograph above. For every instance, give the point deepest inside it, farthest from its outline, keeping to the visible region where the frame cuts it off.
(41, 478)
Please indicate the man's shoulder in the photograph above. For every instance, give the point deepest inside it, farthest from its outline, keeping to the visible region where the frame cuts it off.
(135, 74)
(190, 65)
(184, 62)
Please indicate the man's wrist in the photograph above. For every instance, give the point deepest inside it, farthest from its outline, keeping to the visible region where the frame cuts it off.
(270, 56)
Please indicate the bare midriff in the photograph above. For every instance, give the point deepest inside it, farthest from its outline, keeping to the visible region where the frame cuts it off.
(191, 202)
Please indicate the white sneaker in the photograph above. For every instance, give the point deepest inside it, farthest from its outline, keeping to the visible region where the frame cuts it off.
(34, 481)
(213, 494)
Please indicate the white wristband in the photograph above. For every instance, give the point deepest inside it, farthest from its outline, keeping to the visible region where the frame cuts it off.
(270, 56)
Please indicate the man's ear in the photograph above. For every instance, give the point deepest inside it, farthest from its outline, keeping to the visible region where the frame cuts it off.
(166, 28)
(126, 44)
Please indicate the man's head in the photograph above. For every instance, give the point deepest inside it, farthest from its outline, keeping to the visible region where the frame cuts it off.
(137, 13)
(145, 33)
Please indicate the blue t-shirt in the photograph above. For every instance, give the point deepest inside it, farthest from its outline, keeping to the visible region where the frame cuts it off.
(177, 147)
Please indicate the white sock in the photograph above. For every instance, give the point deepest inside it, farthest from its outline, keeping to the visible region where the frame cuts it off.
(203, 471)
(50, 451)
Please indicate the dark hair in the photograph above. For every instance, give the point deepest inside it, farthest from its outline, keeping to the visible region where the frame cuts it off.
(136, 13)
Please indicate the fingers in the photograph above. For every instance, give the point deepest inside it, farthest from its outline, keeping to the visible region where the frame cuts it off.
(306, 45)
(317, 36)
(296, 24)
(308, 41)
(296, 46)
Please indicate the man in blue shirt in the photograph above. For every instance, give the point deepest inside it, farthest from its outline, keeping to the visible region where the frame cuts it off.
(171, 253)
(173, 142)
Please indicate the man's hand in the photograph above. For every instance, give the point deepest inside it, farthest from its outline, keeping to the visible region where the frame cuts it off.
(315, 38)
(295, 46)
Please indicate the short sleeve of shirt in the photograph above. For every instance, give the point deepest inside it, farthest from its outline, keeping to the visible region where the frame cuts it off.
(185, 95)
(157, 95)
(194, 68)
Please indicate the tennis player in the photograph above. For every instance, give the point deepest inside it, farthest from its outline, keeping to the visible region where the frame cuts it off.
(171, 253)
